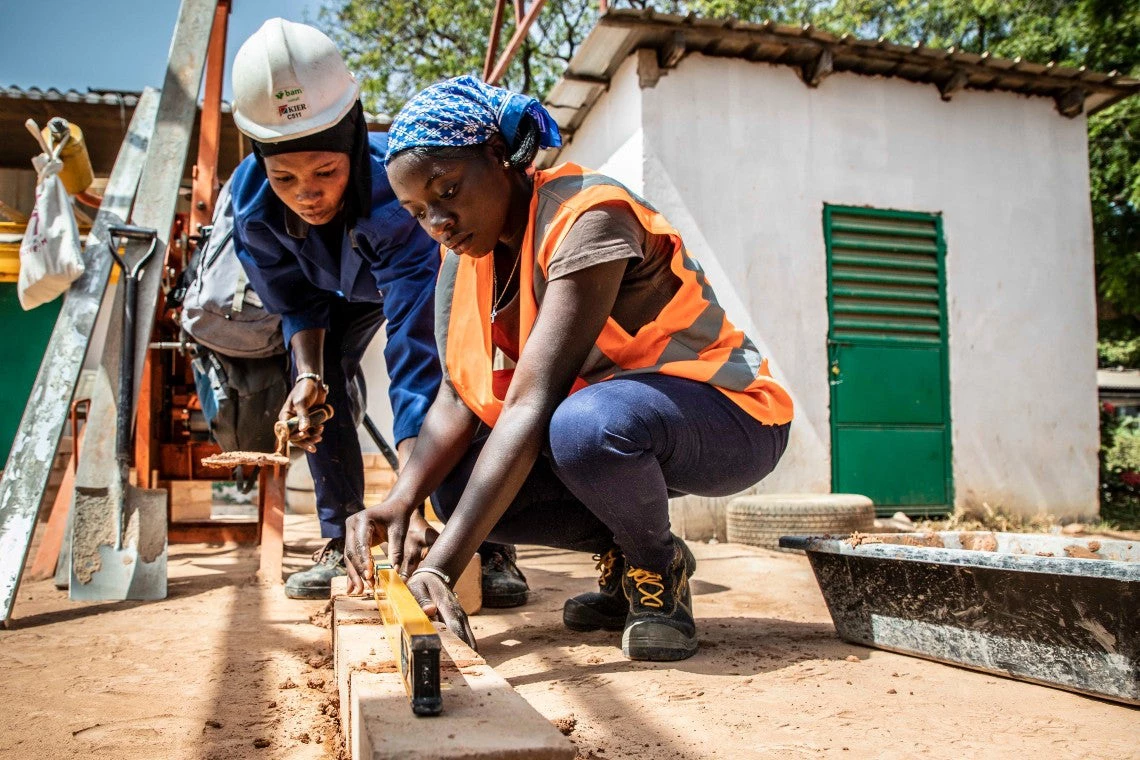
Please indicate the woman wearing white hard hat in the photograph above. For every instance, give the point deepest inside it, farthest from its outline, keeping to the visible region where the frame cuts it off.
(327, 246)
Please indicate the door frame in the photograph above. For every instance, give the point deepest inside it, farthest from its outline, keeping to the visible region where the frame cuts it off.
(944, 333)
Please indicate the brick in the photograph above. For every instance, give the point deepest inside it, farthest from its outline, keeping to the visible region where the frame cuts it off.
(191, 500)
(362, 648)
(483, 717)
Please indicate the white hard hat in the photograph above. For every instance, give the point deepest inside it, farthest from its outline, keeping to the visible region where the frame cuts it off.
(289, 82)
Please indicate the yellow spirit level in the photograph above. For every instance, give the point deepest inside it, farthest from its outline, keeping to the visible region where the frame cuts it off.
(414, 640)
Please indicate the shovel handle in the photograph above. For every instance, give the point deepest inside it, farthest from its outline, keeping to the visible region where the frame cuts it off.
(124, 421)
(131, 232)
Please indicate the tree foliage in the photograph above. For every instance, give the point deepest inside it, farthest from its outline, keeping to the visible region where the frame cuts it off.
(399, 46)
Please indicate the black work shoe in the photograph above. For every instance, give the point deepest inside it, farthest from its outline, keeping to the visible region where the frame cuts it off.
(316, 582)
(660, 625)
(605, 608)
(504, 585)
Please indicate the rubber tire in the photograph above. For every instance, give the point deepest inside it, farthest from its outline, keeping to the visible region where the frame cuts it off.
(761, 520)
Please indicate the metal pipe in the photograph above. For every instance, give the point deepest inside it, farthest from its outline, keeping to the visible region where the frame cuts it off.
(168, 345)
(385, 447)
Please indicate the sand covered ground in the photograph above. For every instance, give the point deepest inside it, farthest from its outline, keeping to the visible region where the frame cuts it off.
(227, 667)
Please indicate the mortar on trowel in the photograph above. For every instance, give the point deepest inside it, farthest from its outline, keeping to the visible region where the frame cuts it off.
(283, 432)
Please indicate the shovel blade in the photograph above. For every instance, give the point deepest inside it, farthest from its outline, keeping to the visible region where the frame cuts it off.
(118, 550)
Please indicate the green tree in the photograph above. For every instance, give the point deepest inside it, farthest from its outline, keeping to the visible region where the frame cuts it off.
(399, 46)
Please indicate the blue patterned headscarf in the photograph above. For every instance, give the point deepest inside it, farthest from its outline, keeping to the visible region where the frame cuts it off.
(466, 111)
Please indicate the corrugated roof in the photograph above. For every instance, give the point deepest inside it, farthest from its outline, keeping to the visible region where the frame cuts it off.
(104, 116)
(124, 98)
(816, 54)
(91, 97)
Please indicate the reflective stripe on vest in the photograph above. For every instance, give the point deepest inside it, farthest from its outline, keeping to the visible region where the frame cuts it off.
(690, 337)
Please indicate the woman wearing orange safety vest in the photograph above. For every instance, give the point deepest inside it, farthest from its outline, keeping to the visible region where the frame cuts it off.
(589, 375)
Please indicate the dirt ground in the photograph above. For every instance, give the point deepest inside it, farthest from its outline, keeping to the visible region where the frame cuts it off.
(229, 668)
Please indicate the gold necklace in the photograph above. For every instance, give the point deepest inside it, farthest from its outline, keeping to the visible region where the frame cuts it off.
(495, 284)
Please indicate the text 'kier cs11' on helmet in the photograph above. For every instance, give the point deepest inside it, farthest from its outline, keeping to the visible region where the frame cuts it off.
(290, 81)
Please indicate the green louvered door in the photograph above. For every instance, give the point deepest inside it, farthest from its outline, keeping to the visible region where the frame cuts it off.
(890, 409)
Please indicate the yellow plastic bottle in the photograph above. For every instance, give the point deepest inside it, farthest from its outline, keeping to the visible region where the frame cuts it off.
(77, 173)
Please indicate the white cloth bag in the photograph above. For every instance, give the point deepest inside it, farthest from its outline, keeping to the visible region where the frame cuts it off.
(51, 257)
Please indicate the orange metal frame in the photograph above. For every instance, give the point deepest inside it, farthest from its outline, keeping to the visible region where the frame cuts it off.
(206, 185)
(493, 69)
(160, 455)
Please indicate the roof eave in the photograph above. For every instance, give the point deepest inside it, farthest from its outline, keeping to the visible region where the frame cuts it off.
(816, 54)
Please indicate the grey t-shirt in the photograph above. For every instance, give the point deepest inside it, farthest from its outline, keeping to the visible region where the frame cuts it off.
(609, 233)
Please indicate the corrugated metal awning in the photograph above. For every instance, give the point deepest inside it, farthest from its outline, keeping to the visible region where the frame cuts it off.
(103, 116)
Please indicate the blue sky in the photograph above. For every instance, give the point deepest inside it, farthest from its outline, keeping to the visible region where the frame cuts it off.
(112, 44)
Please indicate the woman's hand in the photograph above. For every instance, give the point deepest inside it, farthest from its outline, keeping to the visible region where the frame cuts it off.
(308, 349)
(439, 602)
(408, 535)
(306, 394)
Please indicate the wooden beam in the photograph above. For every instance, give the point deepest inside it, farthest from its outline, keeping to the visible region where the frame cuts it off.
(587, 79)
(1071, 102)
(211, 531)
(649, 72)
(672, 51)
(814, 71)
(271, 503)
(952, 85)
(26, 473)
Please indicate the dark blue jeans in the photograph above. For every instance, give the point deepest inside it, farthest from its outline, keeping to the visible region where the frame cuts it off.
(337, 466)
(616, 451)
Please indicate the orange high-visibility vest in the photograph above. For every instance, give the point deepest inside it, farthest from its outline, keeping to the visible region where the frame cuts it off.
(690, 337)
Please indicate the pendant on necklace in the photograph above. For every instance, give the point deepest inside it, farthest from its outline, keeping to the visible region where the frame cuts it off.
(494, 311)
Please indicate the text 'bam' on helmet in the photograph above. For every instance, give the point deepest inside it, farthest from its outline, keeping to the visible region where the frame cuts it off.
(289, 82)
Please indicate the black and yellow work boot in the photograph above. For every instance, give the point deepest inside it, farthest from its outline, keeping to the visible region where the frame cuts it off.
(316, 582)
(660, 625)
(504, 585)
(605, 608)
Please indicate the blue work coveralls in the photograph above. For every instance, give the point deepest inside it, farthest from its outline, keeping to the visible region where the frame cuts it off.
(384, 270)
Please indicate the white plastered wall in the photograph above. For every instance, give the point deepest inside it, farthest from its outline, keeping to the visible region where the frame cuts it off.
(742, 157)
(376, 379)
(611, 139)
